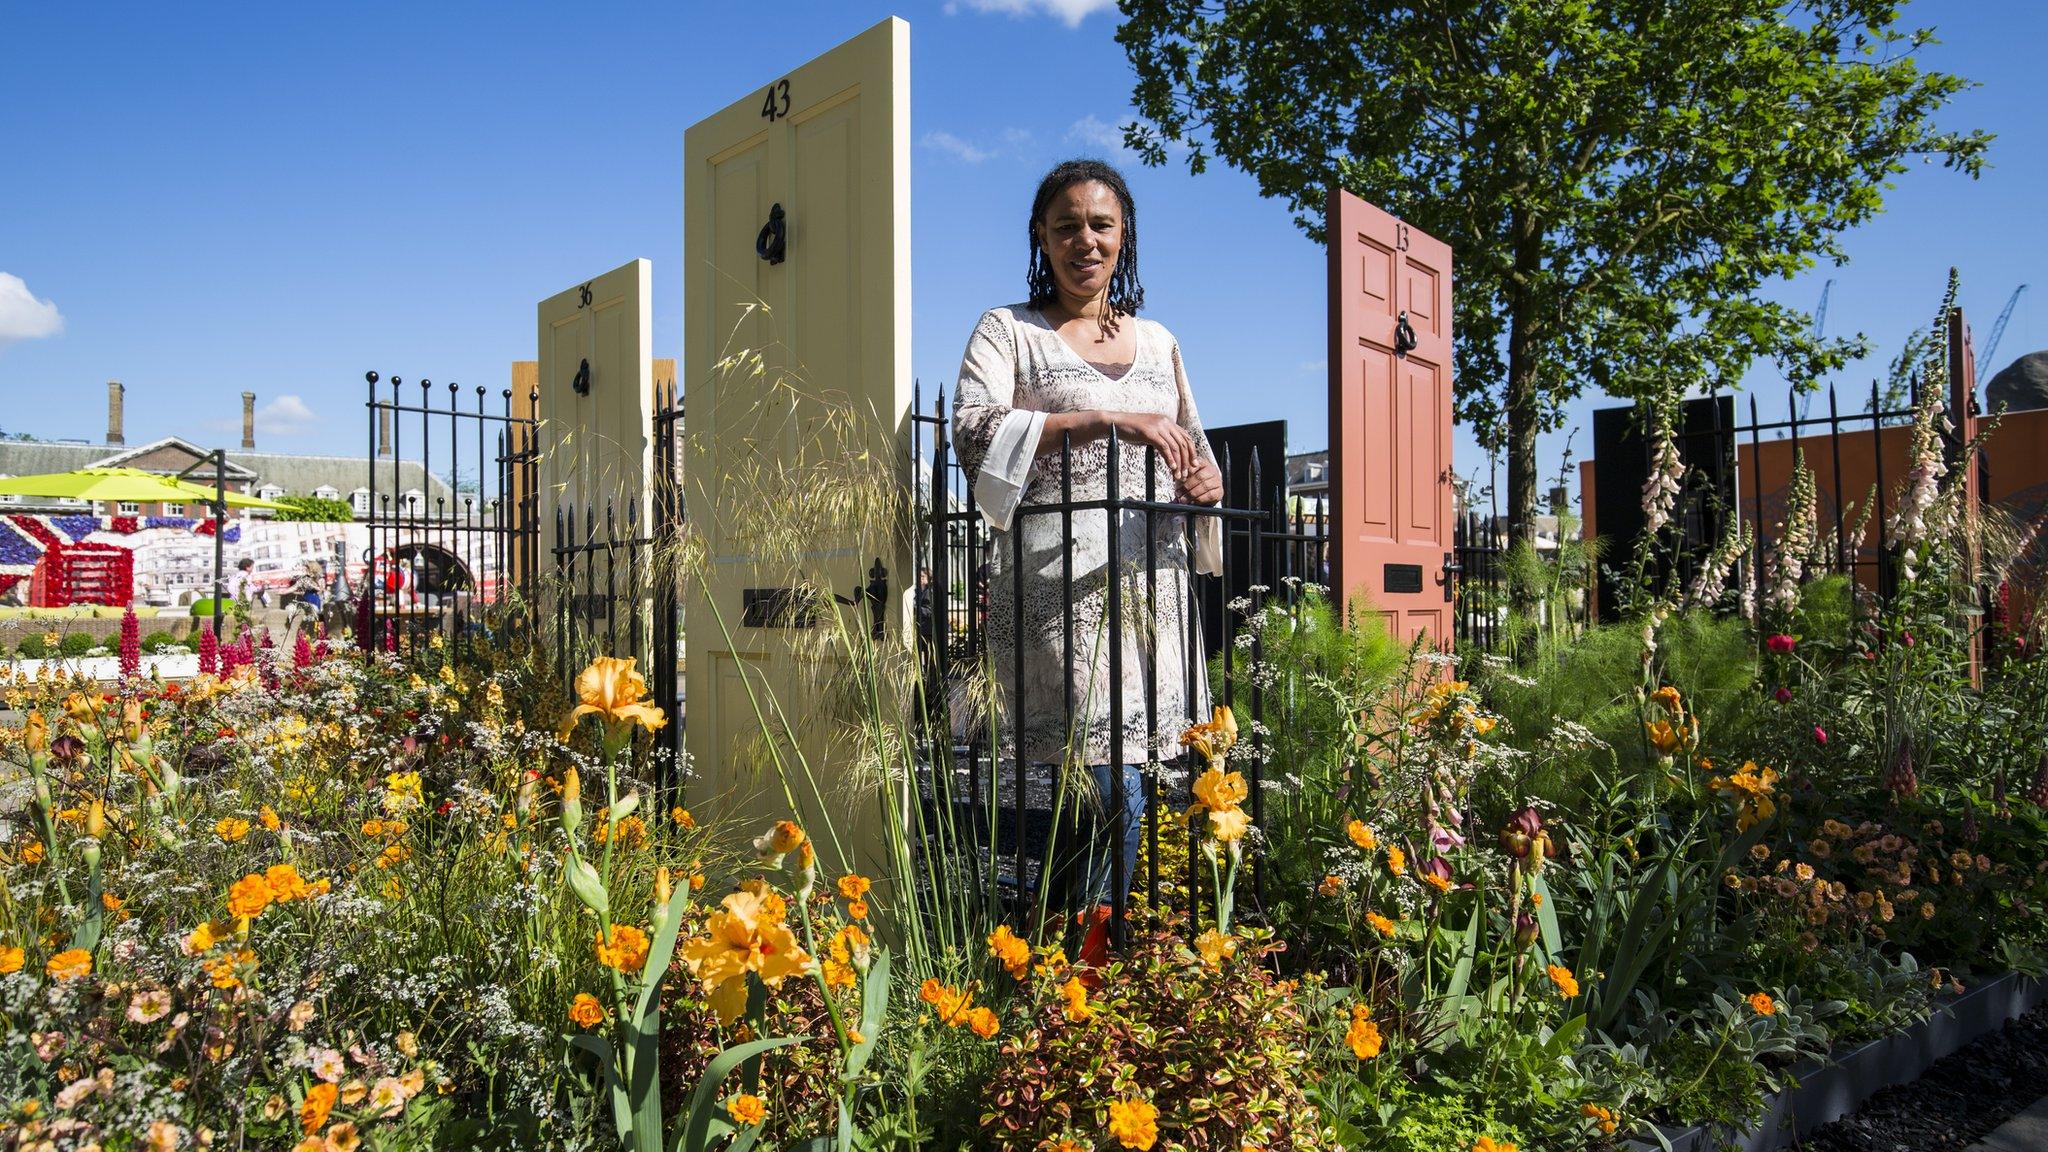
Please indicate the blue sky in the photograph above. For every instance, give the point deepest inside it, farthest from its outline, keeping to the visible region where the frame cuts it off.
(277, 198)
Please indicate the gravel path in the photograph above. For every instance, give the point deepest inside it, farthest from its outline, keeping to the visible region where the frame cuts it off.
(1962, 1098)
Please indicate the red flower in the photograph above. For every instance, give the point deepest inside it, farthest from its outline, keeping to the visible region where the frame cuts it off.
(1820, 734)
(1781, 643)
(1783, 694)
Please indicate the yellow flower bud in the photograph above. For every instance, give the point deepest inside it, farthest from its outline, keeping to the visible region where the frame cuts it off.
(96, 820)
(662, 890)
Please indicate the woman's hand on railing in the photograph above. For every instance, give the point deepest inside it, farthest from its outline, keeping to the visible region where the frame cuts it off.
(1203, 485)
(1175, 446)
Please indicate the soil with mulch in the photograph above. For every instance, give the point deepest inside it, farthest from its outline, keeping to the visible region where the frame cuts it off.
(1959, 1101)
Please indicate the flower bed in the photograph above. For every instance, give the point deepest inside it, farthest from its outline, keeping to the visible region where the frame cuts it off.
(1650, 877)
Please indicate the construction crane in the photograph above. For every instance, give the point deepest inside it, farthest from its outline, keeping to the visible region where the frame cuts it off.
(1998, 329)
(1820, 329)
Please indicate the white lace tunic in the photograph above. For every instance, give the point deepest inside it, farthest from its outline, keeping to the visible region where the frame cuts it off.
(1016, 370)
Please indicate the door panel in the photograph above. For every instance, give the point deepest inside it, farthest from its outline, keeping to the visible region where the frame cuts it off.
(598, 446)
(1390, 418)
(791, 368)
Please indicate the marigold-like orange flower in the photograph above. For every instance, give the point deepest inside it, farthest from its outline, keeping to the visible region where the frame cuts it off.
(1331, 886)
(611, 690)
(249, 896)
(1567, 984)
(1075, 1006)
(983, 1022)
(1364, 1034)
(1762, 1004)
(70, 964)
(230, 829)
(1602, 1118)
(747, 1109)
(1489, 1144)
(1134, 1123)
(1380, 924)
(268, 816)
(682, 818)
(1361, 835)
(11, 959)
(853, 886)
(1397, 860)
(1013, 953)
(319, 1102)
(625, 950)
(286, 884)
(951, 1003)
(585, 1011)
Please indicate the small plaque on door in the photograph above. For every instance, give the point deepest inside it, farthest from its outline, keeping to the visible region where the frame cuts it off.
(1403, 578)
(777, 608)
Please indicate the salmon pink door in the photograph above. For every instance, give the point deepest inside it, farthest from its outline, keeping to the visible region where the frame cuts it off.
(1390, 419)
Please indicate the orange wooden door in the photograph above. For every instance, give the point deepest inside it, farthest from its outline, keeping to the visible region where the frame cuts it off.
(1390, 419)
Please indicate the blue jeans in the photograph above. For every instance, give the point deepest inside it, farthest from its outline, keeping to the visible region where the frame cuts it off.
(1110, 837)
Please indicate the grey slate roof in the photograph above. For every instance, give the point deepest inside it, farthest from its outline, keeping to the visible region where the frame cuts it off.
(297, 475)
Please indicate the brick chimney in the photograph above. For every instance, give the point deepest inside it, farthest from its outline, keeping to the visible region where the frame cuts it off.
(248, 421)
(384, 432)
(115, 390)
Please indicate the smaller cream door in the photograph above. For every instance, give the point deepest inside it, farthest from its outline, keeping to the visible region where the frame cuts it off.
(596, 427)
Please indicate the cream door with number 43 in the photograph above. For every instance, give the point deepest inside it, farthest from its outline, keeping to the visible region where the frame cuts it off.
(797, 387)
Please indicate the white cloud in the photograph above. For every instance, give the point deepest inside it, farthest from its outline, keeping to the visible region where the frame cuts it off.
(1068, 12)
(285, 416)
(1096, 133)
(957, 148)
(22, 316)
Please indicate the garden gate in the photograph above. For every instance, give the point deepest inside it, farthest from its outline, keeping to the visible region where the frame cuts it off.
(1390, 419)
(453, 534)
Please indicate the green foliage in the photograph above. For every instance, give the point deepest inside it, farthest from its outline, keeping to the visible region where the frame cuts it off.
(1621, 183)
(32, 646)
(1223, 1069)
(78, 643)
(158, 641)
(315, 508)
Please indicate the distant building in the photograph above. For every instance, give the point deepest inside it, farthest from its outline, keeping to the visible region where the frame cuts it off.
(270, 475)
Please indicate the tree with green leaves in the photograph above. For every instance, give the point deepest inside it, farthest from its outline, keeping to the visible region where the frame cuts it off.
(315, 508)
(1619, 179)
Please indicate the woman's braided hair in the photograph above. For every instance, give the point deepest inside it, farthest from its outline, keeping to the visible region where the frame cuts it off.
(1126, 295)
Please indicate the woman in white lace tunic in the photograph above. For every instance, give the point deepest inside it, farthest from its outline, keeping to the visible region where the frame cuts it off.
(1065, 367)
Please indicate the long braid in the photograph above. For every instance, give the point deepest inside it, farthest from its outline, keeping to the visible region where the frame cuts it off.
(1126, 294)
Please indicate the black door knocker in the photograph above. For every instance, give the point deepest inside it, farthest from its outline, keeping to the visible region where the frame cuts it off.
(1404, 335)
(581, 384)
(774, 237)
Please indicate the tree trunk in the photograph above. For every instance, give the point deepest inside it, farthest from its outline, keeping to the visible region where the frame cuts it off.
(1522, 402)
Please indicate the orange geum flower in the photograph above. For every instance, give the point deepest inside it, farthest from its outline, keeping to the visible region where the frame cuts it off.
(1567, 984)
(746, 1110)
(11, 958)
(983, 1022)
(1013, 953)
(625, 950)
(1134, 1123)
(1362, 835)
(1380, 924)
(1762, 1004)
(249, 896)
(1331, 886)
(286, 884)
(1364, 1034)
(320, 1099)
(1397, 860)
(853, 886)
(585, 1011)
(70, 964)
(952, 1004)
(1075, 996)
